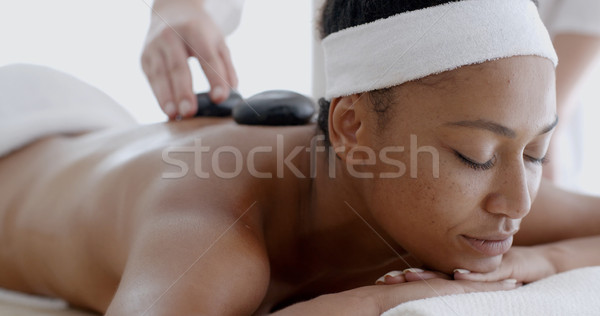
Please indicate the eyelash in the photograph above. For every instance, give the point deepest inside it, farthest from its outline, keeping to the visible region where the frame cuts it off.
(540, 161)
(490, 164)
(474, 165)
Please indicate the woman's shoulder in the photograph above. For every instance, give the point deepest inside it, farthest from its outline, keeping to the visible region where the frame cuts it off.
(226, 167)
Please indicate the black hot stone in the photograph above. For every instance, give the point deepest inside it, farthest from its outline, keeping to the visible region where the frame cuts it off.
(207, 108)
(275, 108)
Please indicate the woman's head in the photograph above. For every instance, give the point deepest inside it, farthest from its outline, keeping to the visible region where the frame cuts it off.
(471, 142)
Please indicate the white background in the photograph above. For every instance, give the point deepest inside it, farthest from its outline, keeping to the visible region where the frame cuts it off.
(100, 42)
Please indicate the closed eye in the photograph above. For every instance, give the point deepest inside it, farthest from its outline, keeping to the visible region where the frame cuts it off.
(540, 161)
(476, 165)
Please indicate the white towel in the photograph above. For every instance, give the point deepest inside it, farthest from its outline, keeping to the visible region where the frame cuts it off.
(413, 45)
(576, 292)
(19, 304)
(37, 101)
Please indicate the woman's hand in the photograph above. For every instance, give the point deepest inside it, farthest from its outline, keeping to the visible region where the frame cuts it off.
(523, 264)
(410, 275)
(180, 29)
(519, 265)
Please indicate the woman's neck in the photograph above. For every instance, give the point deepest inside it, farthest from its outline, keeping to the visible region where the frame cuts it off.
(340, 233)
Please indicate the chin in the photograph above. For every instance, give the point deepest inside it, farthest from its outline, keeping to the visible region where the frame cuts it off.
(479, 265)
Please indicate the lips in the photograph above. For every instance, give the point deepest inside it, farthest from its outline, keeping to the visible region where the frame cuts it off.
(490, 246)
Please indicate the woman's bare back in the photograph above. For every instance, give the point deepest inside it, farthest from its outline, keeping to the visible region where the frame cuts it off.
(71, 207)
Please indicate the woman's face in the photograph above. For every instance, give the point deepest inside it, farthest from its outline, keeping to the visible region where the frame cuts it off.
(490, 126)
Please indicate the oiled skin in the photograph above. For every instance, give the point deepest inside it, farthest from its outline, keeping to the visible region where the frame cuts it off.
(71, 206)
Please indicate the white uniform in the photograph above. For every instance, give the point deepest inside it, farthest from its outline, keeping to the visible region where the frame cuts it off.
(571, 16)
(578, 17)
(226, 13)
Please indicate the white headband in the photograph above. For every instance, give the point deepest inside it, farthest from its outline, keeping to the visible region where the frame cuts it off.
(416, 44)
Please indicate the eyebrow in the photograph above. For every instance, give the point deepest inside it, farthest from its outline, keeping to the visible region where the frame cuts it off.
(497, 128)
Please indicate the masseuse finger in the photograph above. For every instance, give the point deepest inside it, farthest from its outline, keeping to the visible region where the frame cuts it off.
(180, 77)
(226, 57)
(214, 70)
(156, 71)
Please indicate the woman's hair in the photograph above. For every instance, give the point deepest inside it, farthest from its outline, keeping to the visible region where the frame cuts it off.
(338, 15)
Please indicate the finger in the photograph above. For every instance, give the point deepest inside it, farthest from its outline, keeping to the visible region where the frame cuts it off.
(231, 74)
(155, 70)
(472, 286)
(412, 275)
(393, 277)
(214, 70)
(207, 53)
(496, 275)
(180, 77)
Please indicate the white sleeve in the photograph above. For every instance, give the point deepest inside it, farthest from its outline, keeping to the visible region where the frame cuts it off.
(571, 16)
(226, 13)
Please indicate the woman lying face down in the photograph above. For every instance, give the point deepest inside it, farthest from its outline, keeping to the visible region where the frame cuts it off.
(205, 217)
(475, 140)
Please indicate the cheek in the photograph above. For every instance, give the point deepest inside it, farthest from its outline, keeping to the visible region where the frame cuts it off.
(434, 192)
(426, 215)
(421, 209)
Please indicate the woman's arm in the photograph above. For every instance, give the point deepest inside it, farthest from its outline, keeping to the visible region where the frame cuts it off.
(193, 263)
(562, 232)
(186, 264)
(557, 214)
(530, 264)
(574, 253)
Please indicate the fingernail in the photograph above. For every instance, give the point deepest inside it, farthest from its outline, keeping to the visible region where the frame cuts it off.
(185, 107)
(461, 271)
(510, 281)
(218, 92)
(380, 280)
(393, 274)
(170, 108)
(413, 270)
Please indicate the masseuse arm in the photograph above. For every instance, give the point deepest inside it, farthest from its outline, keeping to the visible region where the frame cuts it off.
(577, 54)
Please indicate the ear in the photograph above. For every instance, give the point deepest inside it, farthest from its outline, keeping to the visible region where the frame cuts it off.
(345, 121)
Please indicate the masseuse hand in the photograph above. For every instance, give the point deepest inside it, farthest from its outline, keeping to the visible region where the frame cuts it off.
(180, 29)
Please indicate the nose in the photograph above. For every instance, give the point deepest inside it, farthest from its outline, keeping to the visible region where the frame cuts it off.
(511, 197)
